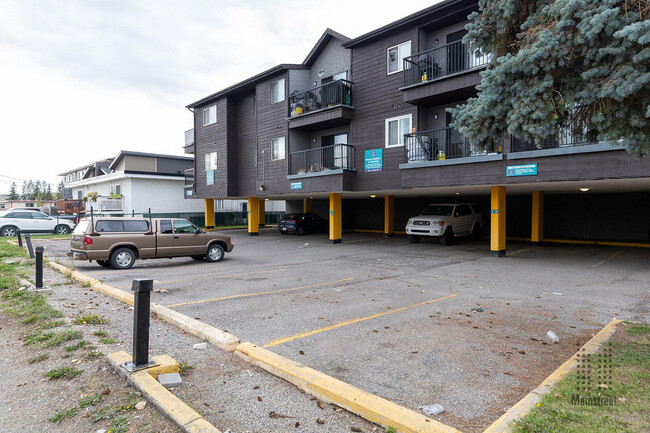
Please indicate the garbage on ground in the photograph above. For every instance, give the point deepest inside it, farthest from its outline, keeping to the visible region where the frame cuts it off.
(476, 310)
(557, 293)
(553, 336)
(432, 409)
(201, 346)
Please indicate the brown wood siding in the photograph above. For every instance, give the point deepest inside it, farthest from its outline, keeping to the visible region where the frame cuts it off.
(244, 144)
(208, 139)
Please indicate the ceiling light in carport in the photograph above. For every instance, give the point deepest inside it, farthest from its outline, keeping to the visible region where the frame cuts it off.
(372, 196)
(584, 189)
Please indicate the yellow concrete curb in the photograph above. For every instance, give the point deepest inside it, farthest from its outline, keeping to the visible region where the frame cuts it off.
(159, 397)
(331, 390)
(214, 336)
(506, 423)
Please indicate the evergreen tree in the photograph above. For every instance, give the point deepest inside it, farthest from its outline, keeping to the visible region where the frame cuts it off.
(581, 66)
(48, 195)
(13, 195)
(23, 191)
(30, 191)
(59, 191)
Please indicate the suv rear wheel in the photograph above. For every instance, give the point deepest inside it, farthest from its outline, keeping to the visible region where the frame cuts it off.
(8, 231)
(448, 237)
(122, 258)
(215, 253)
(62, 229)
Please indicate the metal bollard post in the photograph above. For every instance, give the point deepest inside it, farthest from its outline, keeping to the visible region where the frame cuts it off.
(28, 240)
(39, 267)
(141, 309)
(19, 235)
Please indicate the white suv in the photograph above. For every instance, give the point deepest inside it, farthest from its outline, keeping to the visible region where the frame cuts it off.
(32, 222)
(445, 221)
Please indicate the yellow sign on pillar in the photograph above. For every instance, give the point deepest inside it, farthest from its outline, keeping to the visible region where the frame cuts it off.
(336, 219)
(537, 224)
(209, 213)
(262, 212)
(389, 215)
(253, 216)
(498, 221)
(306, 205)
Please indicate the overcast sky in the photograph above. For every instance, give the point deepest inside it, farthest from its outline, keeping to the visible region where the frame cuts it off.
(82, 80)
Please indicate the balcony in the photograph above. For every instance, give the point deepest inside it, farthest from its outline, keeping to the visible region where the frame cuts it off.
(442, 72)
(188, 189)
(189, 142)
(322, 107)
(106, 204)
(444, 146)
(321, 161)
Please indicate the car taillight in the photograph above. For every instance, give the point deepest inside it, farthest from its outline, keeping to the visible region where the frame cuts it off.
(88, 240)
(76, 220)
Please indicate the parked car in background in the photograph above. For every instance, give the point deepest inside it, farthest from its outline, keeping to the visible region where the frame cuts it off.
(302, 224)
(73, 218)
(118, 241)
(32, 222)
(445, 221)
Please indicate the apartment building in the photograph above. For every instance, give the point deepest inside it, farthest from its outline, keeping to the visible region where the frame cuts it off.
(359, 133)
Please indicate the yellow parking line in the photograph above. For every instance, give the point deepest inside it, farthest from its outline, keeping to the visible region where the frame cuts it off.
(215, 277)
(607, 259)
(350, 322)
(517, 252)
(246, 295)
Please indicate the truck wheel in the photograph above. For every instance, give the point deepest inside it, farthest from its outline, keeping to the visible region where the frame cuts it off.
(448, 237)
(413, 239)
(62, 229)
(104, 263)
(8, 231)
(122, 258)
(476, 232)
(215, 253)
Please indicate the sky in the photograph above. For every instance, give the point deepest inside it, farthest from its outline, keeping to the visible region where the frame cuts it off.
(82, 80)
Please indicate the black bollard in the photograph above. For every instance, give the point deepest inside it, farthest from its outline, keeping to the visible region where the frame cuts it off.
(19, 235)
(28, 240)
(39, 267)
(141, 309)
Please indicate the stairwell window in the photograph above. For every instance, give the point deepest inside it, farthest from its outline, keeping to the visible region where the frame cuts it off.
(395, 56)
(211, 161)
(210, 115)
(396, 127)
(277, 91)
(277, 149)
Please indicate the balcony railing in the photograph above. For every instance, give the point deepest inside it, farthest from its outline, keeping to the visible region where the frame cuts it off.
(105, 204)
(567, 137)
(189, 177)
(438, 62)
(439, 144)
(322, 159)
(328, 95)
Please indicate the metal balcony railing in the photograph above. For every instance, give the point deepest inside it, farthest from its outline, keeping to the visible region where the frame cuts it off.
(335, 157)
(328, 95)
(438, 144)
(440, 61)
(189, 137)
(567, 137)
(189, 177)
(105, 204)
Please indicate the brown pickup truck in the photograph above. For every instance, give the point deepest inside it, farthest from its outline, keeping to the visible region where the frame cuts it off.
(118, 242)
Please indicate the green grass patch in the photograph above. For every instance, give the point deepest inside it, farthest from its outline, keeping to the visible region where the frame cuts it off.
(67, 372)
(107, 340)
(93, 354)
(89, 319)
(102, 414)
(100, 333)
(60, 415)
(91, 400)
(78, 345)
(619, 406)
(50, 236)
(38, 358)
(120, 424)
(52, 324)
(27, 306)
(8, 250)
(37, 337)
(62, 337)
(184, 368)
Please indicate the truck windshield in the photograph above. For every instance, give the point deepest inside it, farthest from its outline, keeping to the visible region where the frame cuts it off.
(438, 210)
(81, 227)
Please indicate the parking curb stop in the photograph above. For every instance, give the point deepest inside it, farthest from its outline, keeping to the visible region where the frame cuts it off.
(331, 390)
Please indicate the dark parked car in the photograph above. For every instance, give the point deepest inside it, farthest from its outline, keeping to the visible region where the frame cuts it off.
(302, 224)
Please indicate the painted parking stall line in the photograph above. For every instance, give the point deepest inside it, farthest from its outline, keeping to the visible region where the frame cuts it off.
(215, 277)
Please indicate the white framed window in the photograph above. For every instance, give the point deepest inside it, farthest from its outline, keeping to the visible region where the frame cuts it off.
(210, 115)
(210, 161)
(396, 127)
(116, 189)
(277, 91)
(395, 56)
(277, 148)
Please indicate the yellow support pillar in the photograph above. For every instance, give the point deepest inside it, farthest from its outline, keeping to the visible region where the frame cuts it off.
(498, 222)
(262, 212)
(306, 205)
(389, 216)
(537, 226)
(336, 218)
(253, 216)
(209, 213)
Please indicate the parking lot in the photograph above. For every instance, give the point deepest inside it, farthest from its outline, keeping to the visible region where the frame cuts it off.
(396, 319)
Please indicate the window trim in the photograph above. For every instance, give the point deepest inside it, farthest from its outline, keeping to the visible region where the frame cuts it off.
(400, 62)
(284, 148)
(215, 115)
(393, 119)
(284, 90)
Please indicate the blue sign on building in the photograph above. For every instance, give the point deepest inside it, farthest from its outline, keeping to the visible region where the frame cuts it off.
(373, 160)
(296, 185)
(209, 177)
(521, 170)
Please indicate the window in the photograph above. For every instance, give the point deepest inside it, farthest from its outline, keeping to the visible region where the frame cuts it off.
(394, 62)
(39, 216)
(211, 161)
(182, 226)
(462, 210)
(336, 157)
(255, 156)
(136, 226)
(19, 215)
(277, 149)
(210, 115)
(166, 227)
(109, 226)
(396, 127)
(116, 189)
(277, 91)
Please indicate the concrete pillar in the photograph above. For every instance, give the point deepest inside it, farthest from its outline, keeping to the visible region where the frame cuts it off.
(262, 212)
(209, 213)
(537, 224)
(336, 219)
(498, 222)
(389, 216)
(253, 216)
(306, 205)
